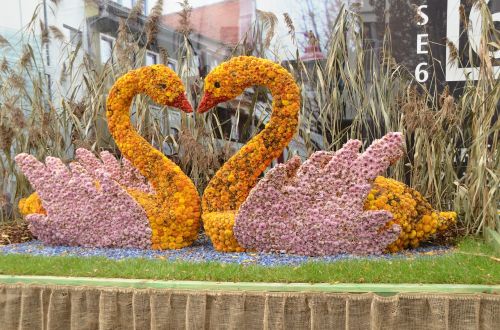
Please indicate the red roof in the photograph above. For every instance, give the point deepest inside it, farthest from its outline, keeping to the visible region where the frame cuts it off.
(219, 21)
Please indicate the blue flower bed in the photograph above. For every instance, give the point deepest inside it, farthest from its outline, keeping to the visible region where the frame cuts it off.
(203, 251)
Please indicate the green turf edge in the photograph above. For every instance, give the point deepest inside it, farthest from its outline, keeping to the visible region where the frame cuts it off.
(382, 288)
(492, 237)
(472, 262)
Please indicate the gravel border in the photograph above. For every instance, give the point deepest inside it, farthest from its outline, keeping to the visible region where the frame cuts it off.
(203, 251)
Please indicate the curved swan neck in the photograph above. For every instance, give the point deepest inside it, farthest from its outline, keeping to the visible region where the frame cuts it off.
(231, 185)
(150, 162)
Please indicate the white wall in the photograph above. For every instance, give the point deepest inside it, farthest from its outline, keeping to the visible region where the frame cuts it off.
(16, 15)
(70, 13)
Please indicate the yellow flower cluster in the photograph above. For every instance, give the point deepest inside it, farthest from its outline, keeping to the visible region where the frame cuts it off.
(31, 205)
(417, 218)
(219, 227)
(174, 210)
(171, 229)
(231, 185)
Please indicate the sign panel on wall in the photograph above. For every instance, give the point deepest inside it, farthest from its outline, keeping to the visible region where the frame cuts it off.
(439, 41)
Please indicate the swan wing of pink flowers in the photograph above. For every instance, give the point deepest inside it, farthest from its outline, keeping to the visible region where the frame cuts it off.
(125, 174)
(316, 207)
(84, 208)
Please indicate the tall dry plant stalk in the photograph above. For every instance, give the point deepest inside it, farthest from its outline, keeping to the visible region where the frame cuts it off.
(152, 22)
(478, 195)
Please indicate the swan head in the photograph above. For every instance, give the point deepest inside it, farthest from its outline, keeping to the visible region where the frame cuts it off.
(224, 83)
(164, 87)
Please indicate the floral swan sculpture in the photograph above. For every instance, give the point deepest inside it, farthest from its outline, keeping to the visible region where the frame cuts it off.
(232, 183)
(148, 202)
(332, 203)
(306, 209)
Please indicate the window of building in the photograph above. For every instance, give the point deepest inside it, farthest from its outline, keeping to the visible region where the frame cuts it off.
(75, 35)
(172, 64)
(131, 3)
(174, 121)
(126, 3)
(106, 44)
(151, 58)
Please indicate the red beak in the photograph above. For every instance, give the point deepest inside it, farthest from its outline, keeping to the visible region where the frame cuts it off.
(181, 102)
(208, 102)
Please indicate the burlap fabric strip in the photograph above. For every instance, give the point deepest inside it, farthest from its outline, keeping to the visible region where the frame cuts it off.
(34, 307)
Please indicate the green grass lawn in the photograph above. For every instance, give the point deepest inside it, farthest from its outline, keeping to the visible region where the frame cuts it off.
(472, 262)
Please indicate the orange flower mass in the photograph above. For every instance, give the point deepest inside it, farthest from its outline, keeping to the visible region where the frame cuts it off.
(231, 185)
(174, 210)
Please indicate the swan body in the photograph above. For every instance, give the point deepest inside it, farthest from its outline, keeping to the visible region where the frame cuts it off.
(165, 209)
(335, 203)
(317, 208)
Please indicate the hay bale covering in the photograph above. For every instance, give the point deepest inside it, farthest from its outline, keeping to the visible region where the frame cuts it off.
(69, 307)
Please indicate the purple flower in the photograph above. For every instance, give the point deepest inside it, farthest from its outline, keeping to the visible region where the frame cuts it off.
(318, 209)
(78, 213)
